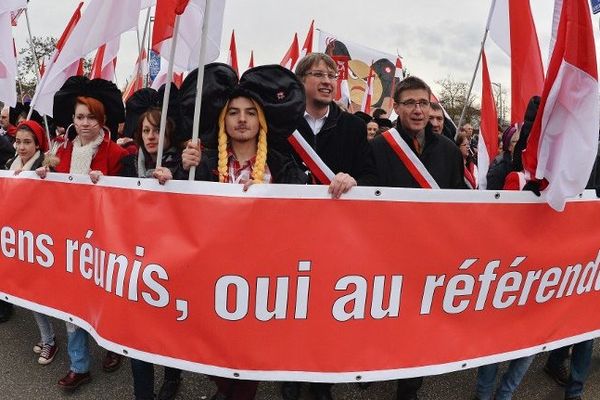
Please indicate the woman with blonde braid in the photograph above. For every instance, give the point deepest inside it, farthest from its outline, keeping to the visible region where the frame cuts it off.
(242, 155)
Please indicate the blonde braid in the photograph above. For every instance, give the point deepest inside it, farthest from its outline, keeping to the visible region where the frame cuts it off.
(258, 171)
(222, 147)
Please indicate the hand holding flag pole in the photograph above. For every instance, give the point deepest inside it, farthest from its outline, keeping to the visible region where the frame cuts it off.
(200, 82)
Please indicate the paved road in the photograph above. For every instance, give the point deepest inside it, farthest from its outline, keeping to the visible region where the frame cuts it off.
(22, 378)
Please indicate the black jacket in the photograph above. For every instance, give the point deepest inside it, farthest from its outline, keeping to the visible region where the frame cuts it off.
(171, 159)
(7, 150)
(440, 155)
(500, 168)
(342, 144)
(283, 169)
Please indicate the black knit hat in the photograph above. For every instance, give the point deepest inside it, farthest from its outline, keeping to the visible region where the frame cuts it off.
(145, 99)
(102, 90)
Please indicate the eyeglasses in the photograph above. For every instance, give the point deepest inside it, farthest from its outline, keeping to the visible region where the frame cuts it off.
(320, 75)
(411, 103)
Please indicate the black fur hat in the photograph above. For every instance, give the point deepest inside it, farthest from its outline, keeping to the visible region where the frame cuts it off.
(145, 99)
(100, 89)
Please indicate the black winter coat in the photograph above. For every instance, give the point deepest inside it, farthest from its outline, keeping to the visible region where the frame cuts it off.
(500, 168)
(283, 169)
(342, 144)
(440, 155)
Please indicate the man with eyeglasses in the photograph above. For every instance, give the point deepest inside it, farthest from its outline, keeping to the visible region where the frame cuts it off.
(434, 152)
(438, 154)
(340, 140)
(338, 137)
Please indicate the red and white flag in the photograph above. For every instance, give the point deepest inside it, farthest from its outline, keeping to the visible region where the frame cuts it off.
(106, 60)
(251, 63)
(366, 101)
(512, 27)
(563, 142)
(232, 60)
(8, 61)
(487, 146)
(187, 50)
(102, 21)
(137, 77)
(291, 57)
(308, 42)
(342, 88)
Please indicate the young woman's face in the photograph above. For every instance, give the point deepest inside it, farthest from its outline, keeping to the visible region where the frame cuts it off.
(25, 144)
(464, 148)
(241, 120)
(150, 136)
(87, 126)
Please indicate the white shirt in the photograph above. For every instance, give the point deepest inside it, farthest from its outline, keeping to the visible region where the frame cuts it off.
(316, 123)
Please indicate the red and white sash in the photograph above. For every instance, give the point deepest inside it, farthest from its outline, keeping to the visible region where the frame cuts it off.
(317, 167)
(410, 160)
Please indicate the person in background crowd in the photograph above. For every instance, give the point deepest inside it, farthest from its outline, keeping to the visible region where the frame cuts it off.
(502, 164)
(87, 150)
(31, 145)
(339, 139)
(436, 118)
(470, 170)
(438, 154)
(372, 129)
(379, 113)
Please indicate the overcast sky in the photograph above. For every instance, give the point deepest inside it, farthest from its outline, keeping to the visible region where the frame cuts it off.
(436, 38)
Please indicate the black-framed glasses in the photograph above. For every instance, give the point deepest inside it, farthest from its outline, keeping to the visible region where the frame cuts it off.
(412, 103)
(321, 75)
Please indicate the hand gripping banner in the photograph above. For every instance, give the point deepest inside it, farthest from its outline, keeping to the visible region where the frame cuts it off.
(284, 283)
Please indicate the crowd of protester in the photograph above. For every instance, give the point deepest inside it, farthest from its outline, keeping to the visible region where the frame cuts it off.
(244, 126)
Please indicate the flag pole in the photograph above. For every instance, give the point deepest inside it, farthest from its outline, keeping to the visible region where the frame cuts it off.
(166, 95)
(487, 29)
(37, 75)
(142, 44)
(200, 82)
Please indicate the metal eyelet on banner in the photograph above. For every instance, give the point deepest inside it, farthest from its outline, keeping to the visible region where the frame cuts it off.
(125, 352)
(70, 319)
(497, 196)
(236, 375)
(358, 377)
(70, 178)
(464, 365)
(139, 183)
(6, 298)
(378, 192)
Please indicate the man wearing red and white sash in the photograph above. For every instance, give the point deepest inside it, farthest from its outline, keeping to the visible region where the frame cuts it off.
(335, 150)
(338, 138)
(412, 155)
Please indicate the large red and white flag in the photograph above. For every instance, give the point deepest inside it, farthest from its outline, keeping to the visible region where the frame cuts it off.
(487, 146)
(308, 42)
(232, 60)
(366, 102)
(512, 27)
(102, 21)
(8, 61)
(563, 142)
(291, 57)
(106, 60)
(187, 50)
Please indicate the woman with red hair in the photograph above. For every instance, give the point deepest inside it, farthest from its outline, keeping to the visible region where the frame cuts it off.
(89, 108)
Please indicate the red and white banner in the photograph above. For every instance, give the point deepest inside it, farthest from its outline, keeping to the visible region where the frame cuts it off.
(487, 146)
(321, 290)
